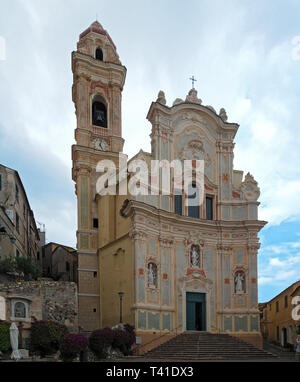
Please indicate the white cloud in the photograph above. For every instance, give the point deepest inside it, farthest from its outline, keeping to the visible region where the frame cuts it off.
(240, 64)
(276, 262)
(281, 270)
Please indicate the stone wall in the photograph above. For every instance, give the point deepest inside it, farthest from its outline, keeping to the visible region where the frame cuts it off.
(45, 300)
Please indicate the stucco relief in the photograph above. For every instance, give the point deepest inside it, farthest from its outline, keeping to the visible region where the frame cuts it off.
(250, 188)
(192, 145)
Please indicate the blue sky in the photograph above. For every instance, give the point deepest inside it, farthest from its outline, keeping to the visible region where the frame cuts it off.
(243, 57)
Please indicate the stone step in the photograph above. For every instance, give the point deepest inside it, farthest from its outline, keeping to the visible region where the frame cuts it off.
(204, 345)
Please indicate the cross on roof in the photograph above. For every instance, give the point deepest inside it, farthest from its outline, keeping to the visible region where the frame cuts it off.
(193, 80)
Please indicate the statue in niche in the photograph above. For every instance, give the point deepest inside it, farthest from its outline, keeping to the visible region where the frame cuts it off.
(239, 282)
(152, 275)
(20, 310)
(195, 256)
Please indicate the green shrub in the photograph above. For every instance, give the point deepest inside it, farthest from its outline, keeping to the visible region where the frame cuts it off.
(28, 267)
(46, 336)
(21, 265)
(4, 336)
(7, 264)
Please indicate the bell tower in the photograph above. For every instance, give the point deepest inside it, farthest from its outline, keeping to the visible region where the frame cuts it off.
(98, 80)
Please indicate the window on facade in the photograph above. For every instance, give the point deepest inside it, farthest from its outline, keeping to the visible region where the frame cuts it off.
(193, 201)
(209, 208)
(17, 193)
(17, 223)
(178, 204)
(94, 310)
(95, 223)
(285, 301)
(277, 306)
(99, 114)
(17, 253)
(99, 54)
(67, 266)
(95, 274)
(38, 256)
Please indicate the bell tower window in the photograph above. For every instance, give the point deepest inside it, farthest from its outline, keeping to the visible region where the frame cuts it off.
(99, 114)
(99, 54)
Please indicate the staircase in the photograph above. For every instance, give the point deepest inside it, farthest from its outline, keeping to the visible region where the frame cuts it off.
(195, 346)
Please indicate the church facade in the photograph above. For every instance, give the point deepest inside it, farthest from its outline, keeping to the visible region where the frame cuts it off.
(180, 267)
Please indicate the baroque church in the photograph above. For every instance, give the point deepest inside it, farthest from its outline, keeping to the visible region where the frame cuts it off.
(179, 267)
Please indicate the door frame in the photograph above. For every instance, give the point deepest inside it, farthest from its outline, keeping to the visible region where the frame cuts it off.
(201, 302)
(208, 295)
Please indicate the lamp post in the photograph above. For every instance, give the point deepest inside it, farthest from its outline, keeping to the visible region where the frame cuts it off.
(121, 294)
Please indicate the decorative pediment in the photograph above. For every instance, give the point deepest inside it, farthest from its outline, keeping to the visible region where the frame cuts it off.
(197, 280)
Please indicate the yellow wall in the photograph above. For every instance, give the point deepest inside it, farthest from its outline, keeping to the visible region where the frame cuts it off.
(283, 318)
(115, 261)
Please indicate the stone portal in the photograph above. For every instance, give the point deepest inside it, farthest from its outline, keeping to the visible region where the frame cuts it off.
(195, 311)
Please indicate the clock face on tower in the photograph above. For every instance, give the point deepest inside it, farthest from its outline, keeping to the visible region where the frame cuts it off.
(100, 144)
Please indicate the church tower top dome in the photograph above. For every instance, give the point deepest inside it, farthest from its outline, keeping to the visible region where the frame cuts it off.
(97, 28)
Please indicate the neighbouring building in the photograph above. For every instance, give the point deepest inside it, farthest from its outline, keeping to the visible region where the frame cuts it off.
(277, 323)
(41, 244)
(23, 302)
(180, 266)
(19, 235)
(60, 262)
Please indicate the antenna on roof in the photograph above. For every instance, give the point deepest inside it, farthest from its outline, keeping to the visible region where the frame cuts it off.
(42, 226)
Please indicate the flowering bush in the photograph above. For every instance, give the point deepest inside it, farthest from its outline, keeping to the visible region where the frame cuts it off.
(71, 346)
(46, 336)
(124, 339)
(131, 334)
(4, 336)
(100, 340)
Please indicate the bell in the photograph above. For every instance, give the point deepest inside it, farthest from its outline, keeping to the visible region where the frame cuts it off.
(99, 115)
